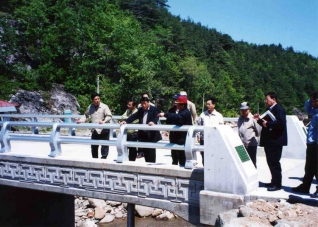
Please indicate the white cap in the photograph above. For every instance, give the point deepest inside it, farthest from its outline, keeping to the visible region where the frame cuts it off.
(183, 93)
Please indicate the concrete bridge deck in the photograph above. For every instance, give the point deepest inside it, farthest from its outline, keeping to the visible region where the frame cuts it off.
(293, 169)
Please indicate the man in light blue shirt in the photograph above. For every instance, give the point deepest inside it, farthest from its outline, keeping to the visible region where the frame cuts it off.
(311, 166)
(308, 106)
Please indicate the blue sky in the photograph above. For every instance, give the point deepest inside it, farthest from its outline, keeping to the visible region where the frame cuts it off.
(288, 22)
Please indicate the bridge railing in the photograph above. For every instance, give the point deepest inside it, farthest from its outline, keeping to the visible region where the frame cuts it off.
(55, 139)
(72, 119)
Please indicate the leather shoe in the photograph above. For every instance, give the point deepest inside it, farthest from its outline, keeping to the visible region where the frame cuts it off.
(274, 188)
(300, 189)
(268, 185)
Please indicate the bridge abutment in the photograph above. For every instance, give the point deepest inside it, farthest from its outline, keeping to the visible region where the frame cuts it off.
(27, 207)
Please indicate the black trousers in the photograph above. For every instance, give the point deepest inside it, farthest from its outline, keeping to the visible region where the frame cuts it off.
(104, 149)
(252, 150)
(202, 152)
(273, 156)
(178, 157)
(132, 150)
(311, 166)
(149, 153)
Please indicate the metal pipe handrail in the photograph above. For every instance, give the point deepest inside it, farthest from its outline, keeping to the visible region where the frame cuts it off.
(115, 117)
(55, 139)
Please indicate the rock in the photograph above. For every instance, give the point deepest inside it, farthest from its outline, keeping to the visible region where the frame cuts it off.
(282, 225)
(144, 211)
(247, 222)
(97, 202)
(55, 101)
(99, 213)
(77, 219)
(90, 213)
(286, 223)
(113, 203)
(156, 212)
(80, 212)
(88, 223)
(167, 215)
(108, 209)
(108, 218)
(225, 217)
(246, 211)
(85, 203)
(119, 214)
(62, 100)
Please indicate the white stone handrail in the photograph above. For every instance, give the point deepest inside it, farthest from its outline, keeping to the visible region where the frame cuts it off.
(55, 139)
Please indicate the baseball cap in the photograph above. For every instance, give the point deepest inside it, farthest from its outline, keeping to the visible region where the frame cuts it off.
(182, 100)
(244, 106)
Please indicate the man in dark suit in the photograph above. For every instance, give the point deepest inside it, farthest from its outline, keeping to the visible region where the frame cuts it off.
(183, 117)
(273, 138)
(146, 114)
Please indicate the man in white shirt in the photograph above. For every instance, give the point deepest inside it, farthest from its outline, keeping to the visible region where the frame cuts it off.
(209, 117)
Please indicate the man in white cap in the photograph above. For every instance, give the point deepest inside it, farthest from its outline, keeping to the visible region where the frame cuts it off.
(248, 130)
(191, 107)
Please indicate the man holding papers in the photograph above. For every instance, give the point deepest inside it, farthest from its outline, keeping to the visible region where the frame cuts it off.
(273, 138)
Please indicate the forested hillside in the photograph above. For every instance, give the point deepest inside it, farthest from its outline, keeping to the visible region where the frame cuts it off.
(136, 46)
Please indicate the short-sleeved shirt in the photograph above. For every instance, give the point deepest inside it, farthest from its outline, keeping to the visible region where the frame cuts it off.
(312, 132)
(97, 113)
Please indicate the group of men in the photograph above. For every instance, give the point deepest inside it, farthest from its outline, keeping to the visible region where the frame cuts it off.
(272, 132)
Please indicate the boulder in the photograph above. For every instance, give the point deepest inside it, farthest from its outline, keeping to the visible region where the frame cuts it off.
(225, 217)
(99, 213)
(108, 218)
(80, 212)
(108, 209)
(90, 213)
(55, 101)
(88, 223)
(247, 222)
(97, 202)
(143, 211)
(119, 214)
(167, 215)
(113, 203)
(156, 212)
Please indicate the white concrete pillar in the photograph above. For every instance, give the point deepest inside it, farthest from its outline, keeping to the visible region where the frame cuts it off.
(296, 134)
(227, 166)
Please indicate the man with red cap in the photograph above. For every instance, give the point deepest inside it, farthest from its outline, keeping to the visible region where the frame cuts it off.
(183, 117)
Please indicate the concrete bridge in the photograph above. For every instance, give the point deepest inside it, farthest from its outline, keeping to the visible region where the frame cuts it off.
(62, 167)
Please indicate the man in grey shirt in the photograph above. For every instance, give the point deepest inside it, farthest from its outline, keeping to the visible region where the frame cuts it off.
(99, 113)
(248, 130)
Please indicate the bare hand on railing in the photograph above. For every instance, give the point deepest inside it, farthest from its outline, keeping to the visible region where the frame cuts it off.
(78, 122)
(151, 123)
(161, 114)
(123, 123)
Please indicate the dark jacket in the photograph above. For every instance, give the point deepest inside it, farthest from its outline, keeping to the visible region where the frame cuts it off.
(183, 117)
(149, 136)
(275, 134)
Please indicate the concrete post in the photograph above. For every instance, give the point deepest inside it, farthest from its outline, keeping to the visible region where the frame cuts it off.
(296, 134)
(229, 173)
